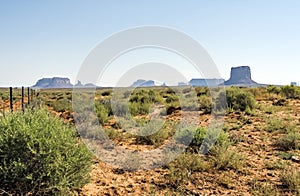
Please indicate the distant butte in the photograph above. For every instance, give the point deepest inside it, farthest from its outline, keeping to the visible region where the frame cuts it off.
(240, 76)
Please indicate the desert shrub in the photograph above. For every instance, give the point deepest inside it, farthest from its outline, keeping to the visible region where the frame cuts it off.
(263, 189)
(195, 137)
(273, 90)
(4, 95)
(291, 92)
(239, 99)
(267, 109)
(141, 100)
(181, 169)
(106, 93)
(274, 165)
(61, 105)
(139, 108)
(290, 141)
(205, 104)
(172, 98)
(40, 155)
(120, 108)
(202, 91)
(187, 104)
(103, 112)
(152, 134)
(274, 124)
(223, 157)
(145, 96)
(290, 179)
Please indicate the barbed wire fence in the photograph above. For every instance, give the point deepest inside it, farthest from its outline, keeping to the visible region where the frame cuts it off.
(15, 99)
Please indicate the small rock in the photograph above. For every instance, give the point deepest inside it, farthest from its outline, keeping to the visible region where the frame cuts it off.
(296, 159)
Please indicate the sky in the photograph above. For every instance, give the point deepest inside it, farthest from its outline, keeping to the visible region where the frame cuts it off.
(53, 37)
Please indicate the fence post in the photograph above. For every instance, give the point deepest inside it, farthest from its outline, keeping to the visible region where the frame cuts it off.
(28, 89)
(10, 99)
(23, 98)
(31, 91)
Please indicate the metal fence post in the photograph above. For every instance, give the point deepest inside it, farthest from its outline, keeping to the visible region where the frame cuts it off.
(11, 99)
(23, 98)
(28, 95)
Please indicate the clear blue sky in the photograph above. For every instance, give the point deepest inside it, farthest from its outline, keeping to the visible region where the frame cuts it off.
(52, 37)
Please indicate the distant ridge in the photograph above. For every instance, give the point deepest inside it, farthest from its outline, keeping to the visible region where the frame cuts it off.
(206, 82)
(239, 76)
(59, 82)
(146, 83)
(55, 82)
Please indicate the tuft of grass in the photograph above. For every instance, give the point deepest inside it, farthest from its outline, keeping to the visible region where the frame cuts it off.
(263, 189)
(152, 134)
(223, 157)
(181, 169)
(290, 141)
(274, 124)
(290, 178)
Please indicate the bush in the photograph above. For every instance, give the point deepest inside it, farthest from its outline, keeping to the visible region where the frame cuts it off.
(238, 99)
(139, 108)
(103, 111)
(290, 141)
(181, 168)
(40, 155)
(141, 100)
(274, 124)
(62, 105)
(205, 104)
(195, 137)
(202, 91)
(222, 157)
(273, 89)
(106, 93)
(152, 134)
(292, 92)
(290, 179)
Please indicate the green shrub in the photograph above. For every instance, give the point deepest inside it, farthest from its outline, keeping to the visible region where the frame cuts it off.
(222, 157)
(290, 179)
(274, 124)
(4, 95)
(141, 100)
(292, 92)
(144, 96)
(202, 91)
(152, 134)
(205, 104)
(290, 141)
(181, 169)
(195, 137)
(103, 110)
(139, 108)
(273, 90)
(263, 189)
(106, 93)
(61, 105)
(172, 98)
(239, 99)
(40, 155)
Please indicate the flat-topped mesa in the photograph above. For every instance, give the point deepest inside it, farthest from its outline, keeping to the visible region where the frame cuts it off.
(240, 76)
(55, 82)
